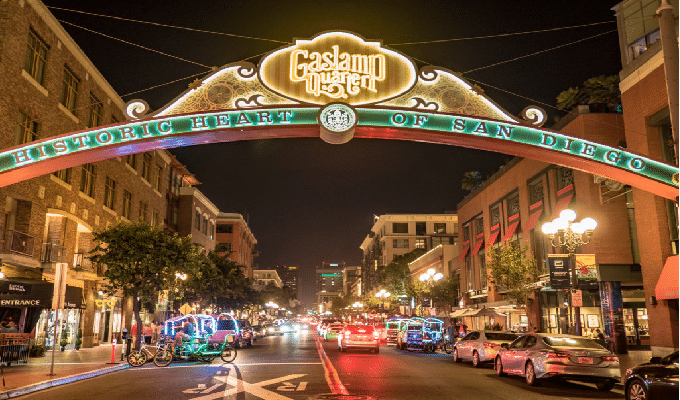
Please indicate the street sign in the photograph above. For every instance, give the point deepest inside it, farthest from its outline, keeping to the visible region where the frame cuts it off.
(560, 277)
(577, 298)
(185, 309)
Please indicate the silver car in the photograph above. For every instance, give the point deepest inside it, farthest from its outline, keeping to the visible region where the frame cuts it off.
(539, 356)
(481, 346)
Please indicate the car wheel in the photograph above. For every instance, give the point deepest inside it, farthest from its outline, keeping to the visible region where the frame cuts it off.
(530, 374)
(475, 360)
(456, 359)
(499, 367)
(448, 348)
(636, 390)
(605, 386)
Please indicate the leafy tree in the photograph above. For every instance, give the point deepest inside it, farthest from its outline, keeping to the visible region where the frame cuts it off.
(446, 291)
(472, 180)
(570, 98)
(512, 270)
(142, 260)
(396, 276)
(603, 89)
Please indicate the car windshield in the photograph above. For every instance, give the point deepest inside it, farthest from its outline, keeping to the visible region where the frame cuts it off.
(226, 325)
(414, 327)
(581, 343)
(393, 325)
(507, 337)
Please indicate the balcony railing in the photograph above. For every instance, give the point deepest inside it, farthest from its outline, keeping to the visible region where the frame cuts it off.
(82, 263)
(52, 253)
(18, 242)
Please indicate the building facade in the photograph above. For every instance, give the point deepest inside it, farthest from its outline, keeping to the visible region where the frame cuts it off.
(649, 131)
(265, 277)
(235, 237)
(398, 234)
(197, 217)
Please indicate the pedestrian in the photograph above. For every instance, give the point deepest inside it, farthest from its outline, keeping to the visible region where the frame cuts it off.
(4, 328)
(599, 334)
(536, 330)
(12, 328)
(154, 332)
(147, 331)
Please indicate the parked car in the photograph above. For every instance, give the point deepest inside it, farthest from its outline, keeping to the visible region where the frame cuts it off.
(331, 332)
(259, 331)
(359, 337)
(481, 346)
(538, 356)
(246, 332)
(381, 328)
(657, 379)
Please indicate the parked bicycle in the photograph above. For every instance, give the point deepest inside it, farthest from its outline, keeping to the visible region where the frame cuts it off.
(137, 358)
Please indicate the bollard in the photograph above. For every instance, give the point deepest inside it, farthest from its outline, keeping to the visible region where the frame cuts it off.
(122, 350)
(113, 352)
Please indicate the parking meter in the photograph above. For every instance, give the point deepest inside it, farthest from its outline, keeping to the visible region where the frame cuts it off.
(125, 333)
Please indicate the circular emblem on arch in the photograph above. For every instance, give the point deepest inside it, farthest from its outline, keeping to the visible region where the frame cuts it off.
(337, 122)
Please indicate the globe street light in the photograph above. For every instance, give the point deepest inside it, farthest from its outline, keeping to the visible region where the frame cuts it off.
(430, 277)
(385, 295)
(565, 233)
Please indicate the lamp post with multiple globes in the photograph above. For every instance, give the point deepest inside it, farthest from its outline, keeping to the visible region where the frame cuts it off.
(429, 278)
(563, 232)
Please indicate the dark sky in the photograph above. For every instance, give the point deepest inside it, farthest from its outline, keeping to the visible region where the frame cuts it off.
(308, 201)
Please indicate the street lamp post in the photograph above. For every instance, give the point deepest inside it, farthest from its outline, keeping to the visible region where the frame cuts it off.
(382, 294)
(429, 278)
(565, 233)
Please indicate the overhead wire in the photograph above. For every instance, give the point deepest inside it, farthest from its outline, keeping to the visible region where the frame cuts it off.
(166, 25)
(502, 34)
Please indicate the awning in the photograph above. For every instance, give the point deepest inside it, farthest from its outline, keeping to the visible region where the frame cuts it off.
(510, 231)
(36, 294)
(667, 286)
(533, 220)
(465, 250)
(478, 245)
(562, 204)
(458, 313)
(492, 238)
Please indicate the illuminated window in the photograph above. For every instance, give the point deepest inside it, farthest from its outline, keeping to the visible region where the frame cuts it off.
(143, 207)
(127, 204)
(420, 243)
(87, 179)
(69, 90)
(146, 167)
(480, 225)
(641, 25)
(26, 129)
(96, 110)
(437, 240)
(211, 230)
(109, 192)
(439, 227)
(36, 57)
(482, 270)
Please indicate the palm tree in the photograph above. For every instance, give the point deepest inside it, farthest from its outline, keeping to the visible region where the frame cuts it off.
(472, 180)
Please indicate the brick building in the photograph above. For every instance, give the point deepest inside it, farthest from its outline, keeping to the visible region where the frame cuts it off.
(234, 237)
(197, 217)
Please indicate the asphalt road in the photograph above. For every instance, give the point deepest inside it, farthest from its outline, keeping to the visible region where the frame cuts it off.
(292, 367)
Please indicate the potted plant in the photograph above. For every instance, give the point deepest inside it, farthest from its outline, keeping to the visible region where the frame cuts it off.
(79, 339)
(37, 350)
(64, 339)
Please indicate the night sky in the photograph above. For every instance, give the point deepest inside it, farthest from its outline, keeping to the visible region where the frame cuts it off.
(308, 201)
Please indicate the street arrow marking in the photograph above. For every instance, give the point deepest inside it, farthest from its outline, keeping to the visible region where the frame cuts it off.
(289, 387)
(255, 389)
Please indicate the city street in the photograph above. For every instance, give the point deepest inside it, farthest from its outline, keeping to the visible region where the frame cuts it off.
(291, 367)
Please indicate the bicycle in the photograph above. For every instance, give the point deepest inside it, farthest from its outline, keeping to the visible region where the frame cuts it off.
(137, 358)
(205, 351)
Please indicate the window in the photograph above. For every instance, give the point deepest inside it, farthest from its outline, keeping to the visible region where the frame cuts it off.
(482, 270)
(69, 90)
(127, 204)
(146, 166)
(225, 228)
(536, 192)
(641, 25)
(223, 247)
(63, 174)
(420, 243)
(155, 217)
(565, 177)
(513, 205)
(495, 215)
(480, 225)
(109, 192)
(468, 273)
(437, 240)
(142, 210)
(466, 232)
(204, 226)
(421, 229)
(131, 160)
(399, 227)
(400, 243)
(211, 230)
(87, 179)
(26, 130)
(197, 221)
(159, 176)
(36, 57)
(439, 227)
(96, 109)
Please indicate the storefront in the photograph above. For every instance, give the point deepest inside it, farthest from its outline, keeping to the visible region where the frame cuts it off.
(558, 317)
(635, 317)
(107, 318)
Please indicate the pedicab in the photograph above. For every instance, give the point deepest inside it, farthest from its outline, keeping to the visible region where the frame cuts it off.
(392, 327)
(432, 334)
(195, 343)
(411, 335)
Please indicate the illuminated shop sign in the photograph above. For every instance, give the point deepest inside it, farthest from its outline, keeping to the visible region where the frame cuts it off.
(337, 66)
(242, 120)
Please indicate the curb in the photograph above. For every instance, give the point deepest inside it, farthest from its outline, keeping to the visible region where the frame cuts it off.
(60, 381)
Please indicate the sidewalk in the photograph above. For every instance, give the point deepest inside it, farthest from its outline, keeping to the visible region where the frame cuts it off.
(633, 358)
(69, 366)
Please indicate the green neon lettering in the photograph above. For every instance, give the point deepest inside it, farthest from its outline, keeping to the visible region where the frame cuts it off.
(243, 120)
(481, 128)
(637, 163)
(567, 146)
(264, 118)
(103, 137)
(419, 120)
(505, 131)
(126, 133)
(284, 116)
(20, 156)
(398, 119)
(223, 121)
(60, 146)
(41, 151)
(588, 149)
(79, 141)
(548, 140)
(145, 131)
(199, 122)
(458, 125)
(613, 156)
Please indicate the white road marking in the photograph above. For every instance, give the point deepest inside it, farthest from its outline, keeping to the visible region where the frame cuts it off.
(255, 389)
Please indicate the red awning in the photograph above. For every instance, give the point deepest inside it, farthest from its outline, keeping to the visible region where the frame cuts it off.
(533, 220)
(492, 238)
(562, 204)
(510, 231)
(465, 250)
(667, 286)
(478, 245)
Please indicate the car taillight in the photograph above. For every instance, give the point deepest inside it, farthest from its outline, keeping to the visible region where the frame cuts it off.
(376, 334)
(556, 355)
(489, 345)
(610, 358)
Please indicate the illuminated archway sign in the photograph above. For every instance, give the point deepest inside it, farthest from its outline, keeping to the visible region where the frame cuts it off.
(336, 86)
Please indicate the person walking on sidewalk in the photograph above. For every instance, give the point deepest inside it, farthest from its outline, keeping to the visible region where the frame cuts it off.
(148, 332)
